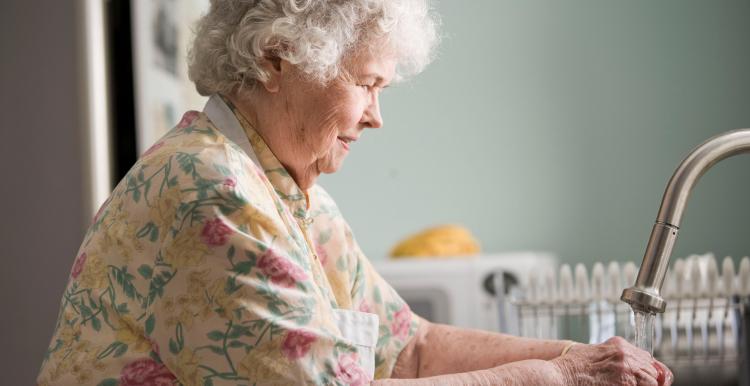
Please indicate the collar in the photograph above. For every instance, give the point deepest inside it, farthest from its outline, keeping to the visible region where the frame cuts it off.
(229, 120)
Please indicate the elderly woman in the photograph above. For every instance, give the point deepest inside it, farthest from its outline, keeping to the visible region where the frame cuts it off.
(218, 261)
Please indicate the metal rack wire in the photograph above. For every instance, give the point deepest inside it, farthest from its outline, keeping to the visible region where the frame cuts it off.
(702, 336)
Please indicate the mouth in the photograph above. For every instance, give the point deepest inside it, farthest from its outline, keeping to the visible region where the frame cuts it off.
(345, 141)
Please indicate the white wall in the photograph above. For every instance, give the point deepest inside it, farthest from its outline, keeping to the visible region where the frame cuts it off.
(41, 191)
(555, 125)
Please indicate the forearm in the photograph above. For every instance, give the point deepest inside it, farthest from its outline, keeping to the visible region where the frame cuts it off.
(523, 373)
(441, 349)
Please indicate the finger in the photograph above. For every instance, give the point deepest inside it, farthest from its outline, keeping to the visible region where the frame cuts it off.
(665, 376)
(661, 374)
(644, 379)
(645, 375)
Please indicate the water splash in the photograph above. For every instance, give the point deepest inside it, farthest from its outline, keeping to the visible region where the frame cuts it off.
(644, 331)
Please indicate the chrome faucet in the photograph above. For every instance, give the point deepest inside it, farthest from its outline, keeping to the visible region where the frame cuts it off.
(645, 294)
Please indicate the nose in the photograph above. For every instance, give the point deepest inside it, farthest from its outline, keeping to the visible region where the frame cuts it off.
(371, 116)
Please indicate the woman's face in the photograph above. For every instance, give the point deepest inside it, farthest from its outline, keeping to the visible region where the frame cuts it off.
(328, 119)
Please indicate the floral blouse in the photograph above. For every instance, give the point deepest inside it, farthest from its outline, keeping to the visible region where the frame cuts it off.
(209, 266)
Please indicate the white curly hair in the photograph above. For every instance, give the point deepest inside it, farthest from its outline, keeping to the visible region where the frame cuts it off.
(234, 37)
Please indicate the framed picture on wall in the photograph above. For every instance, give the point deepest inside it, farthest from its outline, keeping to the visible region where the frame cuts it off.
(161, 35)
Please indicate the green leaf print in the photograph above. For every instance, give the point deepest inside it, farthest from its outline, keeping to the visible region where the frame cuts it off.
(154, 235)
(123, 308)
(236, 344)
(180, 339)
(115, 347)
(150, 323)
(145, 271)
(341, 263)
(108, 382)
(223, 170)
(136, 195)
(96, 324)
(324, 236)
(244, 267)
(187, 163)
(215, 335)
(376, 295)
(238, 331)
(231, 286)
(120, 350)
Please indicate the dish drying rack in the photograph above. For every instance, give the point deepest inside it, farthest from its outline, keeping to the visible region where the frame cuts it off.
(702, 336)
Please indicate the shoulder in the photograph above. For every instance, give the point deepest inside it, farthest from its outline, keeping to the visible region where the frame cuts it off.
(196, 152)
(191, 163)
(195, 136)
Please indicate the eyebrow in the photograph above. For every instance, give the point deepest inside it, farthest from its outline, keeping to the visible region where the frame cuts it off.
(378, 79)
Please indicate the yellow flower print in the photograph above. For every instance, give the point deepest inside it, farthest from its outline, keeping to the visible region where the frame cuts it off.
(157, 154)
(197, 280)
(82, 374)
(186, 367)
(258, 221)
(69, 333)
(164, 210)
(265, 362)
(225, 303)
(168, 304)
(121, 239)
(187, 249)
(94, 273)
(340, 287)
(134, 340)
(202, 141)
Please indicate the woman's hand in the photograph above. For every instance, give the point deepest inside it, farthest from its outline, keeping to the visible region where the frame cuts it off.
(614, 362)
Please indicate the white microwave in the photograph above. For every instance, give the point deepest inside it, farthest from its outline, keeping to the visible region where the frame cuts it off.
(459, 291)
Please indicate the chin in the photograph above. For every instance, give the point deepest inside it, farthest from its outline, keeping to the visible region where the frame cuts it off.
(330, 169)
(330, 165)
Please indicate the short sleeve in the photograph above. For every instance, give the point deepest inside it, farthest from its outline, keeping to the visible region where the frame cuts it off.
(398, 324)
(358, 285)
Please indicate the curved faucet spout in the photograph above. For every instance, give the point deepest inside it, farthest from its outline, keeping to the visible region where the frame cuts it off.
(645, 294)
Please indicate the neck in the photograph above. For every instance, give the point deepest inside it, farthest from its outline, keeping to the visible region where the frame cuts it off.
(272, 121)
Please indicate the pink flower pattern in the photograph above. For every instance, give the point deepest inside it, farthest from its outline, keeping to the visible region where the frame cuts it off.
(349, 372)
(153, 148)
(401, 322)
(146, 372)
(365, 307)
(101, 209)
(297, 343)
(320, 250)
(78, 265)
(281, 271)
(215, 232)
(230, 182)
(187, 119)
(270, 287)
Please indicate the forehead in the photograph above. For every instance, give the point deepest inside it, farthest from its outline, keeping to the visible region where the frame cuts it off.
(372, 63)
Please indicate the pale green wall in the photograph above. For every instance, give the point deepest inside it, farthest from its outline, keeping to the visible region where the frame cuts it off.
(555, 125)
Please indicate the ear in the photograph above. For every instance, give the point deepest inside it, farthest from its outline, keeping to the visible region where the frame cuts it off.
(273, 67)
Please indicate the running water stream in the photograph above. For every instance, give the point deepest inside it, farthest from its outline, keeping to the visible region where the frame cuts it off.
(644, 331)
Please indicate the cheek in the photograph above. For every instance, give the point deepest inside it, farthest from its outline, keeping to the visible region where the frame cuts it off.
(350, 112)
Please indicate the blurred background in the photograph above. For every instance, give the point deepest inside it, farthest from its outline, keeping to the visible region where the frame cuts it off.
(543, 125)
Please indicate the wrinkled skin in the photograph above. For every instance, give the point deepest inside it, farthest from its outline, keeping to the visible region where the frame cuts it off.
(614, 362)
